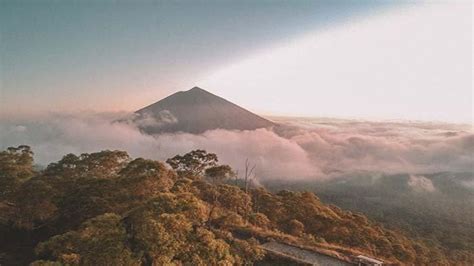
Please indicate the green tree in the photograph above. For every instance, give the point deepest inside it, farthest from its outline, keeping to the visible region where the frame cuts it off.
(34, 205)
(218, 174)
(144, 179)
(99, 241)
(295, 227)
(193, 164)
(16, 166)
(102, 165)
(260, 220)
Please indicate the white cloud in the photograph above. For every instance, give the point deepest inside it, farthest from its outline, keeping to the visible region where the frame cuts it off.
(145, 119)
(310, 148)
(421, 184)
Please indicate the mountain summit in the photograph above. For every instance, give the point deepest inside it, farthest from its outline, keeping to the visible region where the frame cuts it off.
(196, 111)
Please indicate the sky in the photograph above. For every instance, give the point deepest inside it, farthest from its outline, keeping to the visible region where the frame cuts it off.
(365, 59)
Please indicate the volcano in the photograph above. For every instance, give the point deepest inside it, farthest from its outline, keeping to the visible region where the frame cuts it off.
(196, 111)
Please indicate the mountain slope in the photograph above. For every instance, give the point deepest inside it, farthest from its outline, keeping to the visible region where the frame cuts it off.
(107, 208)
(196, 111)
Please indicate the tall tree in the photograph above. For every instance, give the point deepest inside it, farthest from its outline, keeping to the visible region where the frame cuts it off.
(16, 166)
(218, 174)
(194, 163)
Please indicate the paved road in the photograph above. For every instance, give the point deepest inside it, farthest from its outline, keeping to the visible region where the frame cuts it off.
(301, 255)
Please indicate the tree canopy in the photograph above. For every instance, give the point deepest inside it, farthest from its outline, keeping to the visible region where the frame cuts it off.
(106, 208)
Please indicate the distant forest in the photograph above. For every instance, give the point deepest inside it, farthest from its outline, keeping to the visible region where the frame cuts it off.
(106, 208)
(443, 217)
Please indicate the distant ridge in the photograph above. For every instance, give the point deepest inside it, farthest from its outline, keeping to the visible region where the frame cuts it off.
(196, 111)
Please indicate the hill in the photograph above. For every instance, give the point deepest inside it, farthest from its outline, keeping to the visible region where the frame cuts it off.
(106, 208)
(196, 111)
(438, 208)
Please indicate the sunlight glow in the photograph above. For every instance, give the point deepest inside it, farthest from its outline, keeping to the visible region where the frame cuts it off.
(408, 63)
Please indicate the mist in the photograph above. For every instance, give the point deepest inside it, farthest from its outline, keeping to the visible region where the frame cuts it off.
(296, 149)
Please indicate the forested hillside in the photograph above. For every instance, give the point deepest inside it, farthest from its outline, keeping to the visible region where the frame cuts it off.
(106, 208)
(438, 208)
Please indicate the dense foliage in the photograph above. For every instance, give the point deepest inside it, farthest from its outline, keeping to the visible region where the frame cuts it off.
(106, 208)
(442, 216)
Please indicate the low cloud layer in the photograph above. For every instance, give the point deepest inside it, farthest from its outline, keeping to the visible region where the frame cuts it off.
(387, 147)
(299, 148)
(143, 120)
(420, 184)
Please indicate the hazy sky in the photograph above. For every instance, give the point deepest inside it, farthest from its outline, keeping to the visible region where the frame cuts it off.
(315, 58)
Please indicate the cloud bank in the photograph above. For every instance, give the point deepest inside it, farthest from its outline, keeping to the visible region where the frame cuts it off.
(387, 147)
(299, 148)
(420, 184)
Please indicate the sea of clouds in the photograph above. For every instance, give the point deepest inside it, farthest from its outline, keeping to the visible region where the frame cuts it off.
(299, 148)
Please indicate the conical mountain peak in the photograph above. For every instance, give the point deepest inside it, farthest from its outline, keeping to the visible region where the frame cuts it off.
(196, 111)
(197, 89)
